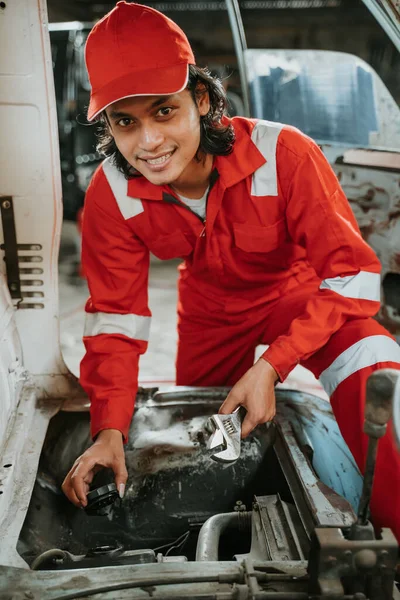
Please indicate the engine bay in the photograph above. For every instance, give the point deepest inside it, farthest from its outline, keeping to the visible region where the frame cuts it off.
(269, 513)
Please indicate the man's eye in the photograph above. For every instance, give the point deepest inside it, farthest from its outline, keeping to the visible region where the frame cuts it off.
(165, 111)
(125, 122)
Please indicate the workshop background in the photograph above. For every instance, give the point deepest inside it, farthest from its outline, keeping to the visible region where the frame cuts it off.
(339, 25)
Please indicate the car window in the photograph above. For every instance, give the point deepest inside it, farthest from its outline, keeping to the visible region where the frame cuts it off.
(331, 96)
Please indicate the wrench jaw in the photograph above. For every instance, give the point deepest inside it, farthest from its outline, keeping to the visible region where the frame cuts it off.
(225, 439)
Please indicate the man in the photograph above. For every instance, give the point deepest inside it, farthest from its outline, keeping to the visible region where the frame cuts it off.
(272, 252)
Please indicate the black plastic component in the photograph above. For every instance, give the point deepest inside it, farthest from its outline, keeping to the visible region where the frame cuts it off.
(101, 500)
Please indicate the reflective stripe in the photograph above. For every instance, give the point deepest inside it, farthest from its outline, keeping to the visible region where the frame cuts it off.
(133, 326)
(129, 207)
(364, 285)
(364, 353)
(265, 136)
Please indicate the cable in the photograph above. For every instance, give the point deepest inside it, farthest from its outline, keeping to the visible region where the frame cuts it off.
(179, 546)
(172, 543)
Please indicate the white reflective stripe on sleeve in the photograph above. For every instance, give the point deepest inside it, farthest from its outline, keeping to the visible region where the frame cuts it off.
(133, 326)
(364, 353)
(265, 137)
(364, 286)
(129, 207)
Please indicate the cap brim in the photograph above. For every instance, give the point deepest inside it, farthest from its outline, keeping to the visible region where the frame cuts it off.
(151, 82)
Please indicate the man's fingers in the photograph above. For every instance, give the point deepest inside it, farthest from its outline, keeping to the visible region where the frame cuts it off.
(248, 425)
(229, 405)
(81, 477)
(251, 421)
(70, 492)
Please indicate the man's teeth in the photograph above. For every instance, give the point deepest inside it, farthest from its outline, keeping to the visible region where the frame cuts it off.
(160, 160)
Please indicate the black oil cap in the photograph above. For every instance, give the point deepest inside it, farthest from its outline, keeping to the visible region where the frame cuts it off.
(100, 501)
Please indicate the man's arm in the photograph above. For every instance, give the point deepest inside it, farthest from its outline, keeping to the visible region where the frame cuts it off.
(116, 333)
(319, 219)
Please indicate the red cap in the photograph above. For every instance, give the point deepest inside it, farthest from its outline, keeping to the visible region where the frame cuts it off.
(135, 51)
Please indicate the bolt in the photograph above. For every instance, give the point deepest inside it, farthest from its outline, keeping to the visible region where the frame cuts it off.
(6, 204)
(29, 595)
(382, 558)
(365, 559)
(347, 555)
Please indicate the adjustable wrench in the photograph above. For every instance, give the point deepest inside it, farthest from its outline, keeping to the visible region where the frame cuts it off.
(225, 432)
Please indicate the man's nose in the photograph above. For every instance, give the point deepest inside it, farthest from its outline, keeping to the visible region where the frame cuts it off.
(150, 137)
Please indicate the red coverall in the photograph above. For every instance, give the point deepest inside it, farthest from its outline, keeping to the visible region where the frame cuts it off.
(279, 261)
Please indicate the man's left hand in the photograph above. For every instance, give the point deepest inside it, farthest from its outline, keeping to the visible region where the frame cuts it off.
(256, 392)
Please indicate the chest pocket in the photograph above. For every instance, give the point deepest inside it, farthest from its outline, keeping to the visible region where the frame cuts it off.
(173, 245)
(255, 238)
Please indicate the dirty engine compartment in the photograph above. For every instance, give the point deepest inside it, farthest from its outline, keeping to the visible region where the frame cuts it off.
(181, 509)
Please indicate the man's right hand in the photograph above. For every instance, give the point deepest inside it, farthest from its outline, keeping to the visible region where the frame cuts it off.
(107, 451)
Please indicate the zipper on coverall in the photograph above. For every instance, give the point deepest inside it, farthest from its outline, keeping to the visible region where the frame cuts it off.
(170, 198)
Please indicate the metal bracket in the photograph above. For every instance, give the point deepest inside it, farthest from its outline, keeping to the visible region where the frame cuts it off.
(10, 246)
(338, 566)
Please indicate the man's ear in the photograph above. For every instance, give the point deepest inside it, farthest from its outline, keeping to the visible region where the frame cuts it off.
(202, 99)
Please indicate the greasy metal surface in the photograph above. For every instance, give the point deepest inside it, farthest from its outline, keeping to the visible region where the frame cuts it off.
(327, 508)
(173, 486)
(277, 533)
(339, 566)
(208, 581)
(212, 530)
(140, 581)
(315, 426)
(331, 96)
(103, 556)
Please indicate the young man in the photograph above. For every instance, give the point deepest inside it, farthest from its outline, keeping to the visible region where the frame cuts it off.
(272, 252)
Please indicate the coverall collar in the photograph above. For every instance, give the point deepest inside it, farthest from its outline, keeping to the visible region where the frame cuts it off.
(242, 162)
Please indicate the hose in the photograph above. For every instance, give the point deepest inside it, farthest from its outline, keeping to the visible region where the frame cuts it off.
(212, 529)
(46, 556)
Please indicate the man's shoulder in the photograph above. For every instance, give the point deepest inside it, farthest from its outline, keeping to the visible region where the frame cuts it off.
(108, 191)
(105, 172)
(285, 138)
(289, 139)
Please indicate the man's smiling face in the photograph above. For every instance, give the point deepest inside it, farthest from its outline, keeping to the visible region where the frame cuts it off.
(160, 135)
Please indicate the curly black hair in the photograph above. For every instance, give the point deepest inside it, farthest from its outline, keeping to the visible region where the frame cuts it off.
(216, 138)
